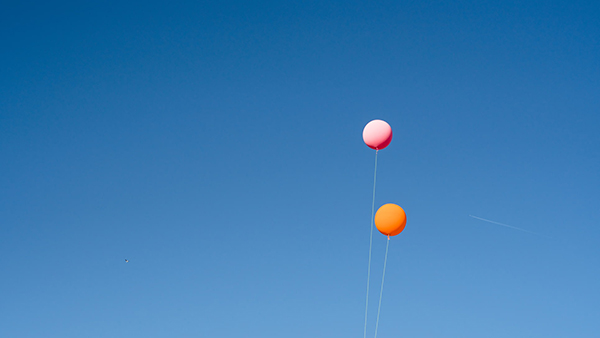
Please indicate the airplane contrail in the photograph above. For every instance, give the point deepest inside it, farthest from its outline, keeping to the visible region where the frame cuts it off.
(504, 225)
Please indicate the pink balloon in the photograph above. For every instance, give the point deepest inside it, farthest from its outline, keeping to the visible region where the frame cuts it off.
(377, 134)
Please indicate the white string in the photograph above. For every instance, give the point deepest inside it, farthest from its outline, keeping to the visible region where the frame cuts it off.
(382, 279)
(370, 243)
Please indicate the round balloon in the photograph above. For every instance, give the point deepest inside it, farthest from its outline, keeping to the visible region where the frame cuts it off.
(377, 134)
(390, 219)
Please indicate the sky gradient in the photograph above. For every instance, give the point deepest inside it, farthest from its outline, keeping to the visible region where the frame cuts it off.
(217, 146)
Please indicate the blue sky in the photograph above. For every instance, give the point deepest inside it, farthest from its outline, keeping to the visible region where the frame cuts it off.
(217, 146)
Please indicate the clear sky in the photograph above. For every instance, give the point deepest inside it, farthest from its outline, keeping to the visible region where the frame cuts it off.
(217, 146)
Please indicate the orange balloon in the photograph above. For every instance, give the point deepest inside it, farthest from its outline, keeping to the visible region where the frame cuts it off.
(390, 219)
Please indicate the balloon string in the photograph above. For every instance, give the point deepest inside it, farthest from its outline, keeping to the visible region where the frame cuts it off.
(382, 279)
(370, 243)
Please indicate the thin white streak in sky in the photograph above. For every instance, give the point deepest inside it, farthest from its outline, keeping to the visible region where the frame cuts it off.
(504, 225)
